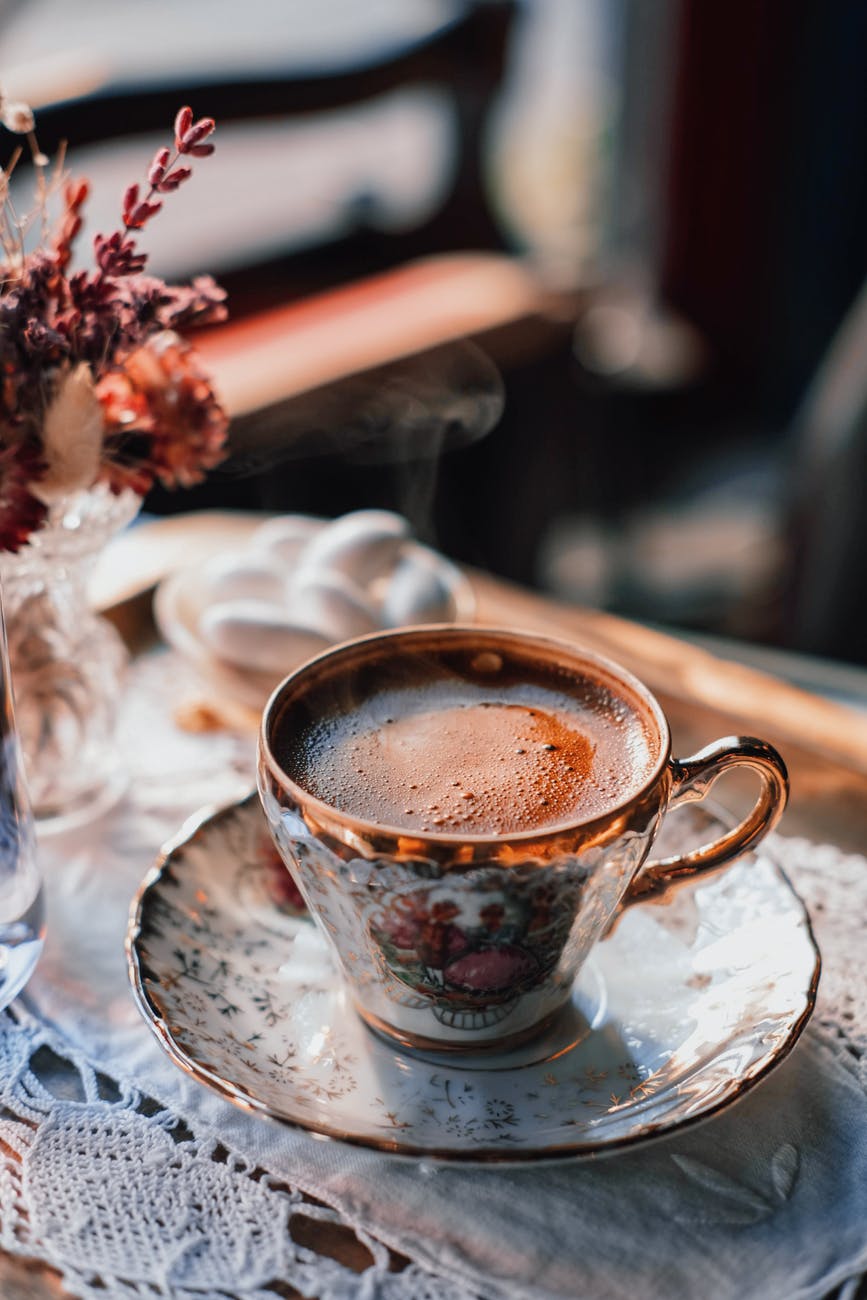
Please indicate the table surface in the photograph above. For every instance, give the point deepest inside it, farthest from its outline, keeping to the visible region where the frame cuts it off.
(704, 695)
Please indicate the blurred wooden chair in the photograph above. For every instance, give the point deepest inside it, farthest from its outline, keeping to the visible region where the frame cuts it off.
(461, 52)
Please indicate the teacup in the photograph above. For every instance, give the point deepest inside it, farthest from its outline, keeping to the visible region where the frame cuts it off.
(467, 811)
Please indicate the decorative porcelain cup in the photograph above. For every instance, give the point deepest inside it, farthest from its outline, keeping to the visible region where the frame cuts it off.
(459, 932)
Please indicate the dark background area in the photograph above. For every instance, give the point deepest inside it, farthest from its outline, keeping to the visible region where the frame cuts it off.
(684, 433)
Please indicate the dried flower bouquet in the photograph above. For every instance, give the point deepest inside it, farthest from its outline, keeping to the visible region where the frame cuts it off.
(97, 383)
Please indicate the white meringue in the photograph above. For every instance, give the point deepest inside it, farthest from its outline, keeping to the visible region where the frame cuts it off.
(417, 593)
(332, 604)
(242, 575)
(256, 634)
(284, 538)
(360, 545)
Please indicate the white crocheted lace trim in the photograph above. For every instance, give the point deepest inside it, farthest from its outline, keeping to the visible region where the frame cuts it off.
(123, 1200)
(833, 885)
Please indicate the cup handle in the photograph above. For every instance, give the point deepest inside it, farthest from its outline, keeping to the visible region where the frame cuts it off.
(691, 778)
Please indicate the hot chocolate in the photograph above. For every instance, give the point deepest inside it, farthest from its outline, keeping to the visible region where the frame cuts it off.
(467, 743)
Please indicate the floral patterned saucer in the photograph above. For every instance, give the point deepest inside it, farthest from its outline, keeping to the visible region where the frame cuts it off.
(679, 1012)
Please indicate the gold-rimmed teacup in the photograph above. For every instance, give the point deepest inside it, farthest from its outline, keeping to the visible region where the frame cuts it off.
(464, 940)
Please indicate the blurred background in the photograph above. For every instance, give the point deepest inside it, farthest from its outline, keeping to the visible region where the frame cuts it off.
(649, 215)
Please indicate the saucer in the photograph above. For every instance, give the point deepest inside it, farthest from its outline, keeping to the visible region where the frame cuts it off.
(680, 1011)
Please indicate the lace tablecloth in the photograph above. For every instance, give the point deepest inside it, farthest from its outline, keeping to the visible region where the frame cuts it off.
(133, 1181)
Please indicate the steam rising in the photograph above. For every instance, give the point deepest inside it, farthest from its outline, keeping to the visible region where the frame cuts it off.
(405, 411)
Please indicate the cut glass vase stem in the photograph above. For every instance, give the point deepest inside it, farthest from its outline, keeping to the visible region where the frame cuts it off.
(67, 663)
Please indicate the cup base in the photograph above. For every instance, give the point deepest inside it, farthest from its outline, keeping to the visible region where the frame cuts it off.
(560, 1031)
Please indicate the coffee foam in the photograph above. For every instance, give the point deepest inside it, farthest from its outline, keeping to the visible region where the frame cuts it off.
(426, 747)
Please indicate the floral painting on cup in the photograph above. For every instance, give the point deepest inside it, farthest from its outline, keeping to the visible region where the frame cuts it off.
(473, 953)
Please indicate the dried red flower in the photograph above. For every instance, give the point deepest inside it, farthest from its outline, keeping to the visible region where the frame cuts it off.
(199, 131)
(183, 122)
(174, 179)
(74, 196)
(116, 256)
(162, 417)
(158, 167)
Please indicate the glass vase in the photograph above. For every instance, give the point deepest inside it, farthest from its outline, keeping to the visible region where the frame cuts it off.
(21, 911)
(67, 662)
